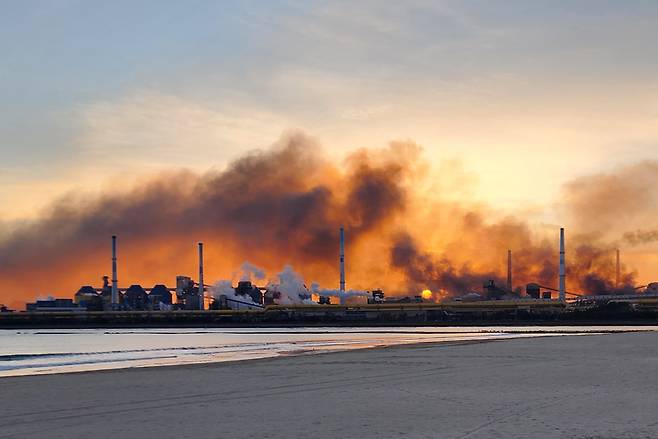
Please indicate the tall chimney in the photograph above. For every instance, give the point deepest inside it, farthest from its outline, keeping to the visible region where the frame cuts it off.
(201, 287)
(509, 270)
(562, 287)
(115, 286)
(618, 272)
(342, 266)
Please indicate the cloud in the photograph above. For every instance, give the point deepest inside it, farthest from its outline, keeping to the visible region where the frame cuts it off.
(156, 129)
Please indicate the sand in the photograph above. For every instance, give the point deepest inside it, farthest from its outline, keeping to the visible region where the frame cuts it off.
(596, 386)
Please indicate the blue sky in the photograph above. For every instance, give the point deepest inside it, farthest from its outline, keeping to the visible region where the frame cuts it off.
(95, 91)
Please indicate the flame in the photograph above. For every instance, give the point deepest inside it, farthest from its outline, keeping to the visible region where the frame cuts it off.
(426, 294)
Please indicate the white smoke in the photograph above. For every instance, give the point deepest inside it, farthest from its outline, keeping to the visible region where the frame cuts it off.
(288, 283)
(292, 288)
(336, 292)
(251, 272)
(225, 288)
(348, 293)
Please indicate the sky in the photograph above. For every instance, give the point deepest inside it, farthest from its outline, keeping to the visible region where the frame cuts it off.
(522, 96)
(535, 92)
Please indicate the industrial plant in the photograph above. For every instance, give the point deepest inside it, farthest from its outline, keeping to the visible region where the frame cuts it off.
(193, 301)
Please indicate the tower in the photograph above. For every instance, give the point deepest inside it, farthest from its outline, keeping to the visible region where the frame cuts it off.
(562, 285)
(115, 282)
(509, 270)
(201, 286)
(342, 265)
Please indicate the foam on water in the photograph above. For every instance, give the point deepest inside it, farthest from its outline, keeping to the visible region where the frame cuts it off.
(31, 352)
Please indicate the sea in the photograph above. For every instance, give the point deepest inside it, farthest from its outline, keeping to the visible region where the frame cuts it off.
(35, 352)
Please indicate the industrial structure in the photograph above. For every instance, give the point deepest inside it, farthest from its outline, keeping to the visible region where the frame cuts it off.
(618, 270)
(509, 270)
(202, 288)
(563, 269)
(115, 281)
(186, 301)
(342, 266)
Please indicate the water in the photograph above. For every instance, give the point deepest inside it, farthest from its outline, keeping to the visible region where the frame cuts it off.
(32, 352)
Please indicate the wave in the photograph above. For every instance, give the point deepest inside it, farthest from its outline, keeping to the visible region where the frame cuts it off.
(187, 350)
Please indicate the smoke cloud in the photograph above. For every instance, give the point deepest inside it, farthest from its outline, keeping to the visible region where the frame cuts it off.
(284, 206)
(640, 237)
(614, 202)
(251, 272)
(292, 288)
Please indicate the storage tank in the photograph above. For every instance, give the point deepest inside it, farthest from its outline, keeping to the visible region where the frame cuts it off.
(160, 293)
(88, 298)
(532, 290)
(135, 298)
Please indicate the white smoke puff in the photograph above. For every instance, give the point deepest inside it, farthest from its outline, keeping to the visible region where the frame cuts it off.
(251, 272)
(224, 288)
(292, 288)
(348, 293)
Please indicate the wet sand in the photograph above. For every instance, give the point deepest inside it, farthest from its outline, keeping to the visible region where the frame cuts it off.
(595, 386)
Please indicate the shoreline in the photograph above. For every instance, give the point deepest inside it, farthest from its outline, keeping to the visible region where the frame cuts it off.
(348, 324)
(281, 356)
(117, 364)
(543, 387)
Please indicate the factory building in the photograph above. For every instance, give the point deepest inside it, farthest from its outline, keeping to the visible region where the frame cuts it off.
(187, 294)
(106, 294)
(495, 292)
(135, 298)
(159, 298)
(271, 297)
(246, 296)
(377, 297)
(532, 290)
(53, 305)
(87, 297)
(246, 289)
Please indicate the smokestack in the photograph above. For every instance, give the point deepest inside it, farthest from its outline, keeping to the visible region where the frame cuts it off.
(562, 287)
(201, 287)
(509, 270)
(618, 272)
(342, 265)
(115, 286)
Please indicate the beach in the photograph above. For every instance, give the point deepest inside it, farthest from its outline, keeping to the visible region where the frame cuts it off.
(573, 386)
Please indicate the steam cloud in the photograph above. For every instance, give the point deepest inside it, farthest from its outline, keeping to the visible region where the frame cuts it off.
(285, 206)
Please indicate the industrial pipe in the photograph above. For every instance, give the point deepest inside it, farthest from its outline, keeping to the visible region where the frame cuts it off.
(509, 270)
(342, 266)
(115, 282)
(201, 285)
(562, 286)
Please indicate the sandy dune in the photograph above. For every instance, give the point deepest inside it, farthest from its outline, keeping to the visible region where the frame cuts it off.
(601, 386)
